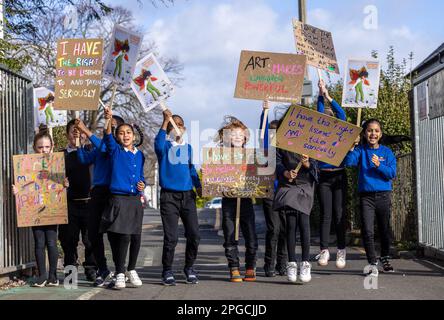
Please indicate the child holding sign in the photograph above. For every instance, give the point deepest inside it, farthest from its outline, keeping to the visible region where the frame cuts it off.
(124, 215)
(332, 192)
(295, 195)
(178, 177)
(275, 258)
(377, 169)
(45, 236)
(236, 135)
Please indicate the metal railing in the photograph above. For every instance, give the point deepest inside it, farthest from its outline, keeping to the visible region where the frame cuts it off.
(16, 132)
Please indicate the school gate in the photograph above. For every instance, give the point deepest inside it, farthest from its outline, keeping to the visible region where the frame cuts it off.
(16, 134)
(427, 105)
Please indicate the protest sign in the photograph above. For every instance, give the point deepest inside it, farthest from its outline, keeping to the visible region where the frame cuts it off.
(235, 173)
(122, 56)
(317, 45)
(270, 76)
(78, 74)
(321, 137)
(361, 84)
(44, 112)
(150, 83)
(41, 199)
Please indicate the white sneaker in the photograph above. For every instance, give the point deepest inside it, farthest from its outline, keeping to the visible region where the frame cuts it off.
(120, 281)
(323, 257)
(371, 270)
(292, 271)
(133, 277)
(305, 275)
(340, 259)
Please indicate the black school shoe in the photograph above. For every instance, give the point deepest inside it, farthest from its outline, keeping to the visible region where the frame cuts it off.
(281, 270)
(168, 278)
(191, 276)
(386, 266)
(269, 272)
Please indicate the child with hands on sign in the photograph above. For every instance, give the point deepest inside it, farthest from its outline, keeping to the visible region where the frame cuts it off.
(297, 177)
(45, 236)
(377, 169)
(237, 137)
(123, 217)
(332, 190)
(177, 178)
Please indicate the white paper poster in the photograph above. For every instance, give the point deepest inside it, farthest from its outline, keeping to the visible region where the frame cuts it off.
(361, 84)
(150, 83)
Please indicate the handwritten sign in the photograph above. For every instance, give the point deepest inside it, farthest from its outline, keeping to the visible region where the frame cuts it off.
(272, 76)
(361, 84)
(235, 173)
(317, 45)
(150, 83)
(41, 199)
(78, 74)
(122, 56)
(315, 134)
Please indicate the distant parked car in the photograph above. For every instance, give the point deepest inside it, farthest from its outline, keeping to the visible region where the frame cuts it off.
(215, 203)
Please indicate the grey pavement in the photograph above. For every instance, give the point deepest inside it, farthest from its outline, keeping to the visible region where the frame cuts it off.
(413, 279)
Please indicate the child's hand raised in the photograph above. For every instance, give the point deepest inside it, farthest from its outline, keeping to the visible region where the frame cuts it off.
(305, 161)
(108, 113)
(290, 175)
(66, 183)
(167, 114)
(81, 126)
(140, 186)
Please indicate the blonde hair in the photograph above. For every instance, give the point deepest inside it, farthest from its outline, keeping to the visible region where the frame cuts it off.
(231, 123)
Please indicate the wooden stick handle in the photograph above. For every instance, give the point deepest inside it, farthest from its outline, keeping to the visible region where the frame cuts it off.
(238, 207)
(298, 167)
(77, 139)
(264, 123)
(111, 104)
(163, 106)
(358, 120)
(319, 73)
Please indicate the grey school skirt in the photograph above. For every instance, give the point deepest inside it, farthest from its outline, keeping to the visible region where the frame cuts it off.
(123, 215)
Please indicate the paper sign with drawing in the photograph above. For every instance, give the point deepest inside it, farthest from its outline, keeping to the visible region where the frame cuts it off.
(150, 83)
(41, 199)
(361, 84)
(122, 56)
(44, 112)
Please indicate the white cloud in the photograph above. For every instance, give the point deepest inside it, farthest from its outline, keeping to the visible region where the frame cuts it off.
(208, 37)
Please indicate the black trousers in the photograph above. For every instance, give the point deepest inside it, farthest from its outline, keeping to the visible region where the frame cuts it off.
(100, 196)
(298, 221)
(46, 237)
(247, 227)
(376, 204)
(332, 197)
(173, 205)
(275, 238)
(69, 235)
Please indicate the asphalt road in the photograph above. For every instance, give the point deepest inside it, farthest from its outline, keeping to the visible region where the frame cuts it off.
(413, 279)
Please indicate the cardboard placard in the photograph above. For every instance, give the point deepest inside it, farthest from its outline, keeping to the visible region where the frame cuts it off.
(122, 56)
(317, 45)
(234, 173)
(78, 74)
(150, 83)
(315, 134)
(271, 76)
(44, 112)
(41, 199)
(361, 83)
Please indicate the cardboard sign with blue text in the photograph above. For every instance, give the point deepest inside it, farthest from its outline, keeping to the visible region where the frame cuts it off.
(321, 137)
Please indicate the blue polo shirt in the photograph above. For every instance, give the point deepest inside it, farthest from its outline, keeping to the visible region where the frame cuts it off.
(126, 167)
(99, 158)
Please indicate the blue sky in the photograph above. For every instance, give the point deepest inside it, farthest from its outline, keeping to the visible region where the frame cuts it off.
(208, 35)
